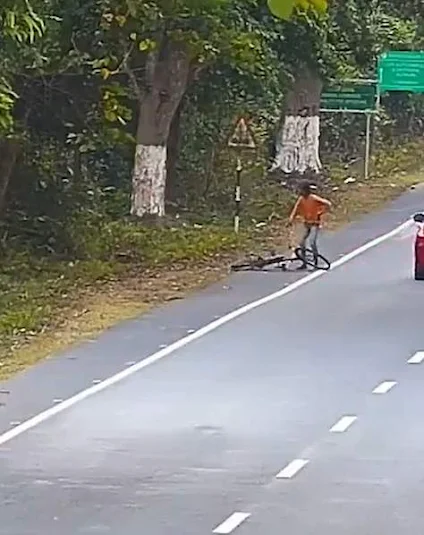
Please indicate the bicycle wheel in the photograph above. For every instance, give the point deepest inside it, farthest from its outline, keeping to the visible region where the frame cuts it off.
(319, 262)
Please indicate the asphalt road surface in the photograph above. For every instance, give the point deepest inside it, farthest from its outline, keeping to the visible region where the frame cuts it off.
(300, 413)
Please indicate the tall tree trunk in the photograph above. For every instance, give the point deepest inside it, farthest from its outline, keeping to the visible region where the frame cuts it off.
(297, 144)
(173, 149)
(9, 151)
(167, 75)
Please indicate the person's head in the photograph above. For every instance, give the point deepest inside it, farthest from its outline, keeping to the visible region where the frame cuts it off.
(305, 189)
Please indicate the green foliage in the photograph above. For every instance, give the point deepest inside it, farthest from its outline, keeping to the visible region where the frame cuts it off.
(33, 290)
(20, 26)
(7, 101)
(94, 238)
(284, 9)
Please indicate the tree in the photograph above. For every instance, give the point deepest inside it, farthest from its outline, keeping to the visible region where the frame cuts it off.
(20, 26)
(343, 43)
(297, 143)
(284, 8)
(126, 70)
(158, 49)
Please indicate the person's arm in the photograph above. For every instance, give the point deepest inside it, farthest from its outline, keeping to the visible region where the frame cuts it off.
(325, 205)
(324, 202)
(295, 211)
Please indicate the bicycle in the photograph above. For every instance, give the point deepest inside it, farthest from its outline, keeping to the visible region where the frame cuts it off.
(301, 256)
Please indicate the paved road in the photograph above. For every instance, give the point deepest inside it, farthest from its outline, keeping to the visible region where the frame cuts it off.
(265, 425)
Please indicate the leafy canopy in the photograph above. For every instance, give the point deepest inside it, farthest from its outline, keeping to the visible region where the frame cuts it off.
(20, 26)
(283, 9)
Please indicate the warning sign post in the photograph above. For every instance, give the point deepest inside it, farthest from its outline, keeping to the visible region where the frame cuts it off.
(241, 138)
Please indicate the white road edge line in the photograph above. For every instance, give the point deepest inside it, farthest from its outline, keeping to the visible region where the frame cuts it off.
(231, 523)
(292, 469)
(384, 387)
(417, 358)
(343, 424)
(159, 355)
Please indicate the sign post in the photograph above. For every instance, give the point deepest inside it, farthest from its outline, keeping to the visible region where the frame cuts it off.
(367, 147)
(242, 137)
(237, 196)
(354, 96)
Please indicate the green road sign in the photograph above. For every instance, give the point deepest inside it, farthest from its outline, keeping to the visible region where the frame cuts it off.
(349, 97)
(401, 71)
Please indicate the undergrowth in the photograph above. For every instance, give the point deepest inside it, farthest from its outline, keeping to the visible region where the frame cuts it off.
(32, 289)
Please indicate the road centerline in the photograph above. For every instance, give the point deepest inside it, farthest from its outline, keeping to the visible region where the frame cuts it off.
(384, 387)
(417, 358)
(293, 468)
(343, 424)
(231, 523)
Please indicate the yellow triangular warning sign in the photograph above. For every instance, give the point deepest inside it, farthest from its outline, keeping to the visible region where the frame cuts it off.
(242, 136)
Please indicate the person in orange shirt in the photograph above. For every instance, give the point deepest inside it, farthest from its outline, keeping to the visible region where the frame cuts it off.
(310, 208)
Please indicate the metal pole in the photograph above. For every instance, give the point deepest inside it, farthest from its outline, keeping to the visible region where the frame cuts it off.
(237, 196)
(367, 147)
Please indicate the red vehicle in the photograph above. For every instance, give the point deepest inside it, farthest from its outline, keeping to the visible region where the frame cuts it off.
(419, 247)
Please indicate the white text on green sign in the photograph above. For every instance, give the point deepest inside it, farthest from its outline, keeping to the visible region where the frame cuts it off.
(349, 97)
(402, 71)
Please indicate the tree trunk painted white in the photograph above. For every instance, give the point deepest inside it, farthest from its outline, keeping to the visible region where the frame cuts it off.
(167, 74)
(297, 143)
(149, 181)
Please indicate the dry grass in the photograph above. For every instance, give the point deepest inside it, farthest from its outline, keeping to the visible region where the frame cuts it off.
(102, 306)
(365, 198)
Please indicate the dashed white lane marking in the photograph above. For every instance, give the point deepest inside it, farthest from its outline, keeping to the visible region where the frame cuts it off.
(417, 358)
(292, 469)
(231, 523)
(384, 387)
(343, 424)
(203, 331)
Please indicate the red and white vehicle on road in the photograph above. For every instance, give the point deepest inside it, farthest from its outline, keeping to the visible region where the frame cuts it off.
(419, 247)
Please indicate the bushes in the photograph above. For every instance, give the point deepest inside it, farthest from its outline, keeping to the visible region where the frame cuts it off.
(94, 237)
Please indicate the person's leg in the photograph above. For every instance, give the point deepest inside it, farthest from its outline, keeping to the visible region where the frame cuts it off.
(313, 240)
(302, 244)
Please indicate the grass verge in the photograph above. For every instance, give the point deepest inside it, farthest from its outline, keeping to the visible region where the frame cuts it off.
(47, 306)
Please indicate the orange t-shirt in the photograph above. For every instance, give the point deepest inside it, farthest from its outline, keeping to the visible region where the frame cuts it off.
(310, 208)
